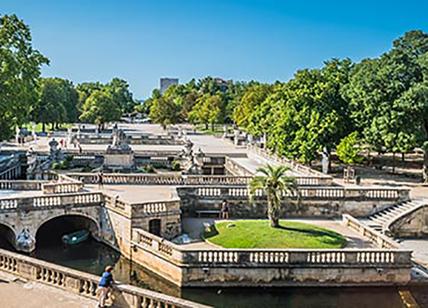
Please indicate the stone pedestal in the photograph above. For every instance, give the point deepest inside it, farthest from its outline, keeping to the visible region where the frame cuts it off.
(119, 160)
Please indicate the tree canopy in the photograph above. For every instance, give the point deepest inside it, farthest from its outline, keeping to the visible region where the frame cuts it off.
(19, 72)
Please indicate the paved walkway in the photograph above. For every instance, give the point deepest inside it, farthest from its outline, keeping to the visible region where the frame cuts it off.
(137, 193)
(19, 294)
(6, 194)
(419, 247)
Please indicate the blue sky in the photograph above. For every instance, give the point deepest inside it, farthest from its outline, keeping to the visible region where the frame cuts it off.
(141, 40)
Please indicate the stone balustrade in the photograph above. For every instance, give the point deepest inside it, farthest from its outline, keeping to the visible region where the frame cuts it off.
(84, 284)
(265, 257)
(318, 193)
(179, 180)
(11, 173)
(62, 184)
(160, 207)
(62, 200)
(145, 209)
(21, 184)
(374, 236)
(271, 157)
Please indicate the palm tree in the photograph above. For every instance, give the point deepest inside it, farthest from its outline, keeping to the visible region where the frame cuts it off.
(276, 185)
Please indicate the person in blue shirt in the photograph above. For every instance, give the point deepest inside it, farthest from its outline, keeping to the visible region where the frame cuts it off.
(104, 286)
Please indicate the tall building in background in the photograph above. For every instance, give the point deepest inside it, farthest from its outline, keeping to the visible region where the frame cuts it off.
(165, 83)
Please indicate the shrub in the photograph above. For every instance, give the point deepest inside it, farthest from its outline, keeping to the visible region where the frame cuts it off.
(175, 165)
(348, 149)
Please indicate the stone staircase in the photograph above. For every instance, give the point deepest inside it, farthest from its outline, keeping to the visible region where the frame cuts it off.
(379, 221)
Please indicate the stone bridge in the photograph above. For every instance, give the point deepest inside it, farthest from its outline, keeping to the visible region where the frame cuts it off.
(34, 205)
(21, 218)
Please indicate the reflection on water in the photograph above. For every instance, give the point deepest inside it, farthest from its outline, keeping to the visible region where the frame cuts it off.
(92, 257)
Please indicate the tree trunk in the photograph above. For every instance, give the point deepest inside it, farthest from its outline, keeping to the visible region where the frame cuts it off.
(402, 156)
(425, 167)
(44, 127)
(206, 126)
(274, 222)
(273, 214)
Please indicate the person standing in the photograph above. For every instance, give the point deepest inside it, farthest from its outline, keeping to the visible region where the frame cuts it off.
(224, 212)
(100, 179)
(104, 286)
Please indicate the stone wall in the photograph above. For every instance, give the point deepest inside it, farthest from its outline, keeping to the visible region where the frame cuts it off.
(412, 224)
(313, 202)
(270, 267)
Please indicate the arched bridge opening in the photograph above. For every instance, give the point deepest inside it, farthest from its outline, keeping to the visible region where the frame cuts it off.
(7, 237)
(50, 233)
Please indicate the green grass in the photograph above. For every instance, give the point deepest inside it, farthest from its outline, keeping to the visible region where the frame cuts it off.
(48, 127)
(259, 234)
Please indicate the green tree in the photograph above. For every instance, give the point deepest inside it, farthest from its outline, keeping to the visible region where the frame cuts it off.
(252, 98)
(276, 185)
(119, 89)
(164, 111)
(57, 103)
(85, 90)
(50, 107)
(348, 149)
(100, 108)
(207, 110)
(19, 71)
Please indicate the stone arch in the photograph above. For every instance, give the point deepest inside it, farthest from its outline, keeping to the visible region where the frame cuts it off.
(8, 233)
(68, 222)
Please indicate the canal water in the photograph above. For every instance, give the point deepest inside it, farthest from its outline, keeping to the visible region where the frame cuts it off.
(92, 257)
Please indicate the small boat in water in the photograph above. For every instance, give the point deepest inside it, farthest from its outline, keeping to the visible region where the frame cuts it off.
(75, 237)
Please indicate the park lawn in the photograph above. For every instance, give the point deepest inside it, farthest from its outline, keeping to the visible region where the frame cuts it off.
(259, 234)
(48, 127)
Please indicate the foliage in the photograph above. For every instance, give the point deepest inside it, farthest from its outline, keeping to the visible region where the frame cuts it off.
(275, 184)
(19, 71)
(257, 234)
(147, 169)
(100, 108)
(119, 89)
(57, 102)
(207, 110)
(175, 165)
(348, 149)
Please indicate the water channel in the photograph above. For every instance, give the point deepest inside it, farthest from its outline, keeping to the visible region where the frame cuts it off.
(92, 256)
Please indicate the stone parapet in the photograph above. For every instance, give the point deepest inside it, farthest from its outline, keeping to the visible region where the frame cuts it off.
(177, 179)
(251, 267)
(84, 284)
(21, 184)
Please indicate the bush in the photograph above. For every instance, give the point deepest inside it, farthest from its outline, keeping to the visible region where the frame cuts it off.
(175, 165)
(348, 149)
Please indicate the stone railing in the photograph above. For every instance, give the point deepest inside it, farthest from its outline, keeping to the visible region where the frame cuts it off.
(62, 184)
(21, 184)
(156, 208)
(252, 258)
(374, 236)
(11, 172)
(28, 203)
(84, 284)
(178, 179)
(271, 157)
(317, 193)
(133, 210)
